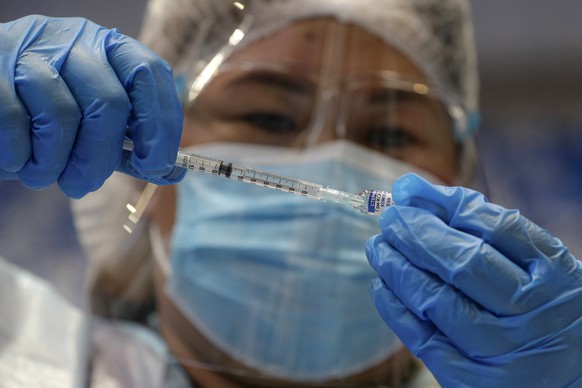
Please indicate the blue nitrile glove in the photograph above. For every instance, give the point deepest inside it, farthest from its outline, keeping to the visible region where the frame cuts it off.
(484, 297)
(70, 91)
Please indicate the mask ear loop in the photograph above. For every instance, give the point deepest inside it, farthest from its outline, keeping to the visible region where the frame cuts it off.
(329, 87)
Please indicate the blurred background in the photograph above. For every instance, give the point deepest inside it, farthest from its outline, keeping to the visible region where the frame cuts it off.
(530, 142)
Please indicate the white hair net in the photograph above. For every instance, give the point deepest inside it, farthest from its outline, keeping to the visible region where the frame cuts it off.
(436, 34)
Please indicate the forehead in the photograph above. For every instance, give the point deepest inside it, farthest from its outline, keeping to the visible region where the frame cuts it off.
(325, 44)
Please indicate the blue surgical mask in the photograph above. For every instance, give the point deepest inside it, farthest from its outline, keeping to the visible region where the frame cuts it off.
(276, 281)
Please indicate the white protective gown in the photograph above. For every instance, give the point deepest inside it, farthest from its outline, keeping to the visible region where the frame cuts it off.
(47, 342)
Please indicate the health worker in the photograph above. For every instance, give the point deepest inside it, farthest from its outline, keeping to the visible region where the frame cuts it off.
(257, 287)
(225, 284)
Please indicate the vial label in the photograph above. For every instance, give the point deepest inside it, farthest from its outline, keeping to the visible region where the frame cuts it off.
(379, 200)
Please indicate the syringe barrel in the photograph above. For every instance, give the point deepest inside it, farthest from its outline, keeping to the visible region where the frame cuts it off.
(248, 175)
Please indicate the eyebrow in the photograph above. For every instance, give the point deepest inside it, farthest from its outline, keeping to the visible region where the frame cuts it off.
(281, 81)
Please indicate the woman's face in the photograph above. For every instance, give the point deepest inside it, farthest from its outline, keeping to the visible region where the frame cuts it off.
(305, 84)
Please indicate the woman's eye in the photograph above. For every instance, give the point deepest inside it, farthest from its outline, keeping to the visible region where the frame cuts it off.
(272, 122)
(389, 138)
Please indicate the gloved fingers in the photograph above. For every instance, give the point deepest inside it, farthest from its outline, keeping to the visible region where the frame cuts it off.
(54, 119)
(421, 337)
(466, 324)
(15, 146)
(536, 343)
(413, 331)
(469, 211)
(105, 109)
(458, 258)
(155, 125)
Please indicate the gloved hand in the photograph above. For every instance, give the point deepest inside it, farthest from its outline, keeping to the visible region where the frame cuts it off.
(70, 91)
(484, 297)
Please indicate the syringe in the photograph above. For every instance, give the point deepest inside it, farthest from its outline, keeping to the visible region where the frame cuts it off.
(367, 201)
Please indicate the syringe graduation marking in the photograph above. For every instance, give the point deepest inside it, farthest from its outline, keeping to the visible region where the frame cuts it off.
(276, 182)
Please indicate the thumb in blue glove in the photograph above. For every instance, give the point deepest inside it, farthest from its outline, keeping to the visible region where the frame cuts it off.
(480, 294)
(70, 91)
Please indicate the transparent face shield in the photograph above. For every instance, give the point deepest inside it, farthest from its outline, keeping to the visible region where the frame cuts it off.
(268, 288)
(317, 81)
